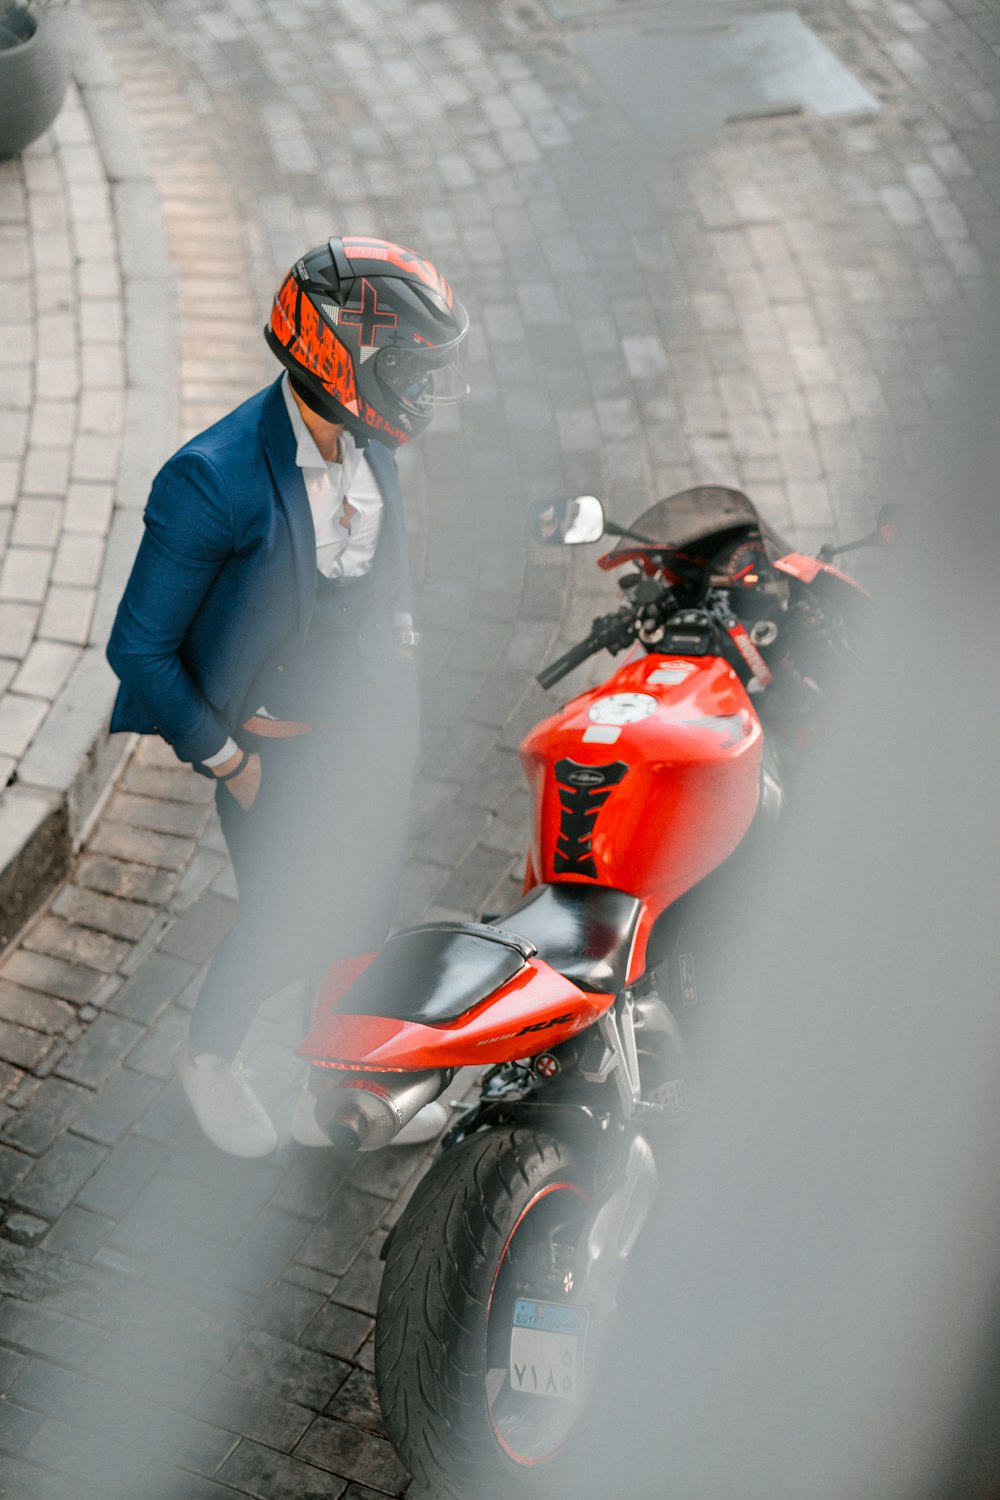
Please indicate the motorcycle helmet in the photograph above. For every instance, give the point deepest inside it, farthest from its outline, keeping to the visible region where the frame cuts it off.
(370, 335)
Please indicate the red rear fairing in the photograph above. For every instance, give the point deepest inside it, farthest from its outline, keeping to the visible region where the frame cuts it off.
(535, 1010)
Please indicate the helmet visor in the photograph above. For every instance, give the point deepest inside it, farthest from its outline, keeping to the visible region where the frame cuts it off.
(427, 376)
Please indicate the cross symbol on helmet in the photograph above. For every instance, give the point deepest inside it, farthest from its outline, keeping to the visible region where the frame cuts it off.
(369, 317)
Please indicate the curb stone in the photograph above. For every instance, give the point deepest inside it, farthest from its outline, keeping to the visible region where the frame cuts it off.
(71, 761)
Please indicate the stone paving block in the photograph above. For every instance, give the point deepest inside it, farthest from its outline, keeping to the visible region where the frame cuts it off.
(95, 459)
(36, 523)
(78, 560)
(52, 1109)
(306, 1186)
(88, 506)
(14, 1166)
(303, 1376)
(135, 1360)
(165, 1482)
(337, 1330)
(10, 480)
(353, 1454)
(122, 1176)
(128, 881)
(356, 1402)
(17, 1425)
(452, 836)
(11, 1364)
(157, 1051)
(252, 1413)
(268, 1245)
(57, 377)
(20, 719)
(105, 914)
(285, 1309)
(80, 945)
(178, 785)
(24, 1229)
(198, 933)
(183, 818)
(34, 1483)
(31, 1008)
(342, 1231)
(127, 843)
(261, 1472)
(119, 1416)
(152, 988)
(359, 1288)
(100, 1050)
(51, 1185)
(67, 614)
(45, 669)
(86, 1457)
(209, 869)
(17, 625)
(46, 471)
(470, 882)
(77, 1234)
(121, 1102)
(20, 1047)
(147, 944)
(102, 367)
(25, 574)
(40, 1331)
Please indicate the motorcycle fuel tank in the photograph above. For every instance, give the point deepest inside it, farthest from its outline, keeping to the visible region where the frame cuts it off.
(646, 783)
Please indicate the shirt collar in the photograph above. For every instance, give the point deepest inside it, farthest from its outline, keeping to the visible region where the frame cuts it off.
(307, 455)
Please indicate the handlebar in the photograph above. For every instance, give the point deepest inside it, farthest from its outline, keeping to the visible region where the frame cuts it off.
(550, 675)
(612, 632)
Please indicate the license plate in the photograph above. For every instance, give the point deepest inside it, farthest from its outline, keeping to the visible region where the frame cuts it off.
(546, 1349)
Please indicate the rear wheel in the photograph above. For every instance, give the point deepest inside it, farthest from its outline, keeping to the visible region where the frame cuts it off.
(484, 1327)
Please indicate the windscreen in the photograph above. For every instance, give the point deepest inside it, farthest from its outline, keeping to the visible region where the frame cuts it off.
(700, 523)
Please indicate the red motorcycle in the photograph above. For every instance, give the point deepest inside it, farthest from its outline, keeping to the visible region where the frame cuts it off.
(581, 1002)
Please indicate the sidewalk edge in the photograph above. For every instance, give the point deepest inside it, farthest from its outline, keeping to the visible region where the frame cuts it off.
(71, 763)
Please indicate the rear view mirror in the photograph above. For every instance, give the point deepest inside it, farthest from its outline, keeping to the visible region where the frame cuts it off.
(558, 523)
(890, 528)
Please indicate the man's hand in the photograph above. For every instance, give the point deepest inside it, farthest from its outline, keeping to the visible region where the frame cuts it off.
(246, 785)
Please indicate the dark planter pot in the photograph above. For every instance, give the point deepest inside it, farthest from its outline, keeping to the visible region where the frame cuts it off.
(33, 78)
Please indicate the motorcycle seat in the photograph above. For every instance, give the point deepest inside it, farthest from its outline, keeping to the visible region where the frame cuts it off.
(585, 932)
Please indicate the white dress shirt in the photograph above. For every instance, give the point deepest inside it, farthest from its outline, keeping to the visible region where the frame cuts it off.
(346, 536)
(342, 550)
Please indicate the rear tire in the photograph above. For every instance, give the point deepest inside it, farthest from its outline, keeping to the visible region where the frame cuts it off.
(474, 1238)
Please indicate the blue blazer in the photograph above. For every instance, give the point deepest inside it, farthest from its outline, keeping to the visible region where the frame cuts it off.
(224, 581)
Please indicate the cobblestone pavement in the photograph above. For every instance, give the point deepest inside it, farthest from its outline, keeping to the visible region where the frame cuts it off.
(776, 306)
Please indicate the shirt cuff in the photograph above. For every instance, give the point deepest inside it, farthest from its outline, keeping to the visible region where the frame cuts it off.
(228, 750)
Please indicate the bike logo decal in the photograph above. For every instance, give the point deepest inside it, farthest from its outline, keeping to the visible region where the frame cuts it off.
(585, 776)
(622, 708)
(583, 791)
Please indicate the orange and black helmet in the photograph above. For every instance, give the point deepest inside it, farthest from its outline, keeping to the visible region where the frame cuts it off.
(370, 334)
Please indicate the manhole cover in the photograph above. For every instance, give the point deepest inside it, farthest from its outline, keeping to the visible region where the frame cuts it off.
(673, 84)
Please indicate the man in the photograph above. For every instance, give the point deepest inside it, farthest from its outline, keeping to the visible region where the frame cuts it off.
(265, 634)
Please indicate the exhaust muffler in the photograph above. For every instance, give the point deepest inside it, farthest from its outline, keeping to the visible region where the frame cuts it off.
(363, 1111)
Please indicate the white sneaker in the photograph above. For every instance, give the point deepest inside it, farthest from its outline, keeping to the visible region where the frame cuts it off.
(226, 1107)
(425, 1125)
